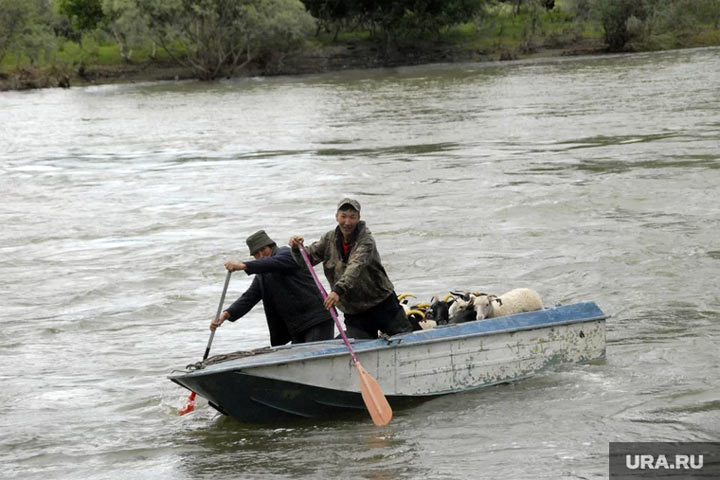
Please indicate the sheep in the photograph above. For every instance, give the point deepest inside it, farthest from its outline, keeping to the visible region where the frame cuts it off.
(416, 313)
(404, 302)
(462, 309)
(482, 305)
(439, 309)
(415, 316)
(515, 301)
(418, 320)
(427, 324)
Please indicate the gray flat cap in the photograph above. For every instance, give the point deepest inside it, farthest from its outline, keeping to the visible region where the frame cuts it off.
(349, 201)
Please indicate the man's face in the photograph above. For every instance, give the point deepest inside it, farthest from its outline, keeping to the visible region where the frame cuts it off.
(347, 220)
(262, 253)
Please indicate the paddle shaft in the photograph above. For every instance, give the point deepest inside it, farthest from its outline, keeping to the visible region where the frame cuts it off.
(375, 401)
(323, 293)
(190, 405)
(217, 315)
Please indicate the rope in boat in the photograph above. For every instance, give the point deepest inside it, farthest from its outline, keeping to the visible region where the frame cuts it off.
(227, 357)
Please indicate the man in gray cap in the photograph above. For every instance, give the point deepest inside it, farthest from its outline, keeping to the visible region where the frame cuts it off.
(293, 306)
(360, 286)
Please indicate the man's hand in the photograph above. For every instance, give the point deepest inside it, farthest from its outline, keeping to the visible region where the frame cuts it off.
(234, 266)
(331, 300)
(216, 323)
(296, 241)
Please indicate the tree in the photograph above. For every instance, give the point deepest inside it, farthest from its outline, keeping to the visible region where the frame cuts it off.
(26, 29)
(85, 15)
(217, 36)
(396, 18)
(711, 11)
(125, 22)
(14, 17)
(276, 28)
(332, 13)
(615, 16)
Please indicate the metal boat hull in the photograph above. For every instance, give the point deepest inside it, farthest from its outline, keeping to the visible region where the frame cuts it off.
(319, 379)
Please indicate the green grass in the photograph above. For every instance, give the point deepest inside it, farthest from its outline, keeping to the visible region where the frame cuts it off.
(71, 53)
(107, 54)
(326, 38)
(707, 37)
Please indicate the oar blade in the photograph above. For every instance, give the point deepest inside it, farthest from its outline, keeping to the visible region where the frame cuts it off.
(374, 399)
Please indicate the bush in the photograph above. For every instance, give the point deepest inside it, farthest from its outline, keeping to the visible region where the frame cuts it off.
(277, 28)
(219, 36)
(615, 15)
(14, 17)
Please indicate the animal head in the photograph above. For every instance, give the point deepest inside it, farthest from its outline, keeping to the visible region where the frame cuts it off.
(415, 317)
(484, 305)
(439, 310)
(461, 294)
(462, 307)
(403, 298)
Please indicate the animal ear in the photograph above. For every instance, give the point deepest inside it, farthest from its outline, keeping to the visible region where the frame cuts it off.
(463, 295)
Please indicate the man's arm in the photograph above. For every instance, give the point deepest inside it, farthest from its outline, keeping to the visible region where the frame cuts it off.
(246, 302)
(316, 251)
(241, 306)
(282, 261)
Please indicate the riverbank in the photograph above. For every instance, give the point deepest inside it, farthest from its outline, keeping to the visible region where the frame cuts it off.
(353, 54)
(42, 55)
(343, 55)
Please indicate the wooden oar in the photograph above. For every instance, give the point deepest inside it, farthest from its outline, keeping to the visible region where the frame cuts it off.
(372, 395)
(190, 405)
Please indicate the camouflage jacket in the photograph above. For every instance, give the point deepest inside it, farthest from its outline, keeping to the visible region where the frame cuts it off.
(359, 277)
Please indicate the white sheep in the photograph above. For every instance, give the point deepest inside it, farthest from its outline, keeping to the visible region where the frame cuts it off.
(517, 300)
(477, 306)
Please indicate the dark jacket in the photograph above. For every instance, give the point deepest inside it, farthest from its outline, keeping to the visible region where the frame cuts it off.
(290, 297)
(359, 277)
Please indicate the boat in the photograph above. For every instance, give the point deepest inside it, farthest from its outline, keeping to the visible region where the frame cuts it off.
(319, 380)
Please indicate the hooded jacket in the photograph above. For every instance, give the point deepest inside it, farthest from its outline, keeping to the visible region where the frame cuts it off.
(290, 297)
(359, 277)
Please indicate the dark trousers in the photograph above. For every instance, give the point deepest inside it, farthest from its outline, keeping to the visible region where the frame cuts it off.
(316, 333)
(387, 316)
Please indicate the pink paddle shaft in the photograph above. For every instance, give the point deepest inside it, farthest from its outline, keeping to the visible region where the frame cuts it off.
(323, 293)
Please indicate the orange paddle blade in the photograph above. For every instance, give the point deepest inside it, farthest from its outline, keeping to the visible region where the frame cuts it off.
(190, 406)
(374, 399)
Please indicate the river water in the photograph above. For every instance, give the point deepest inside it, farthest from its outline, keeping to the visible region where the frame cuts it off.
(583, 178)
